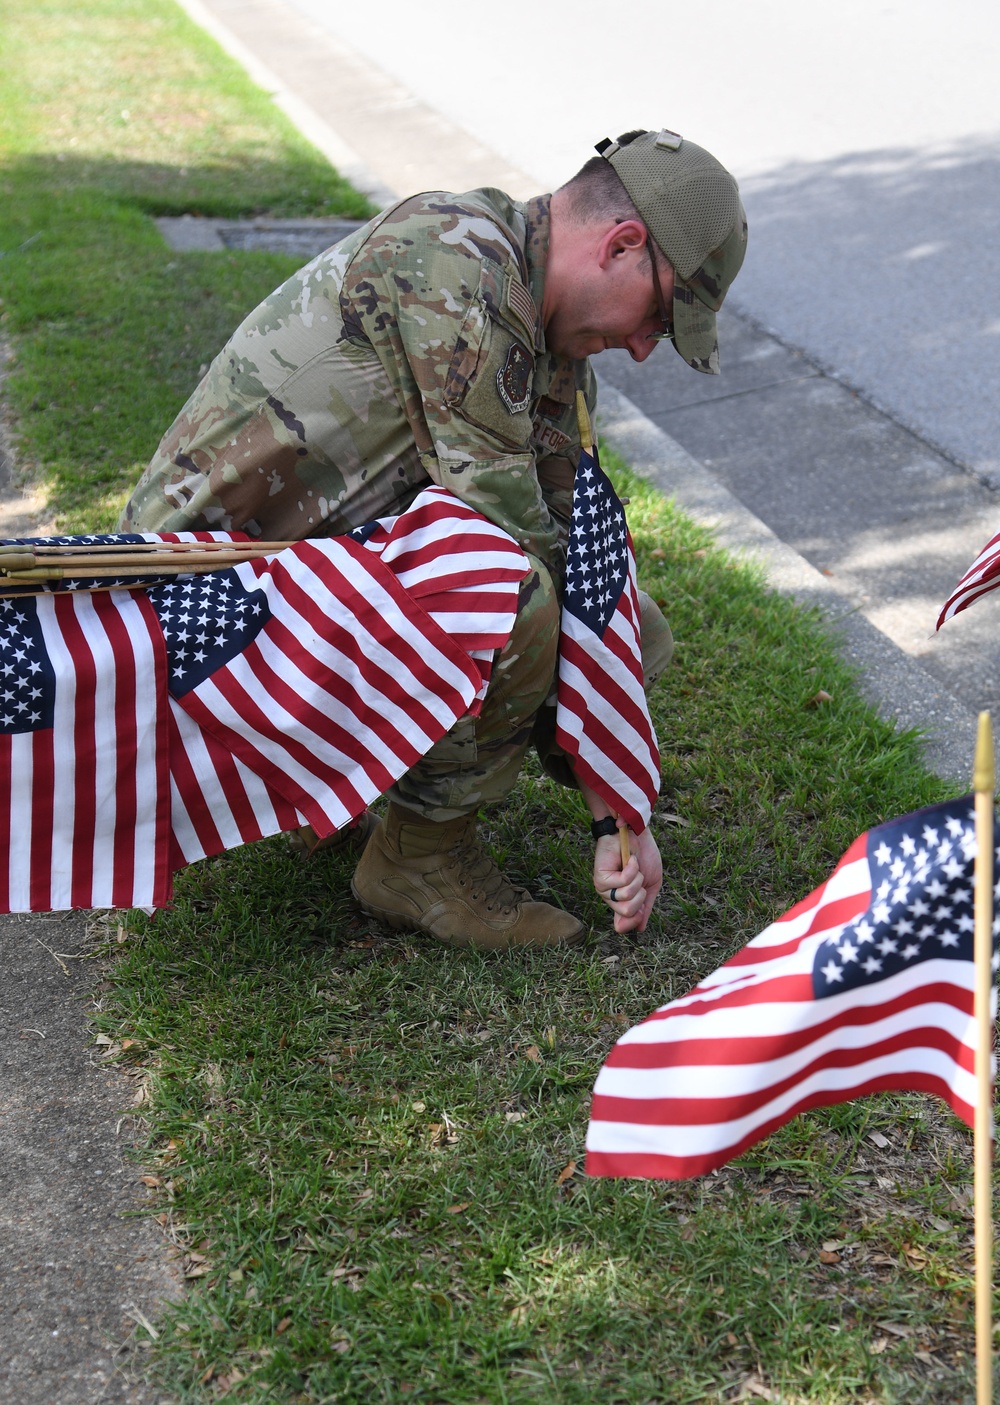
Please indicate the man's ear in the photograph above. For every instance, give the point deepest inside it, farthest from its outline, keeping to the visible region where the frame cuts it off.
(623, 238)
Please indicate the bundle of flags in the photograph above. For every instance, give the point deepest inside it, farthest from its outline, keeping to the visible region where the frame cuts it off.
(143, 729)
(865, 985)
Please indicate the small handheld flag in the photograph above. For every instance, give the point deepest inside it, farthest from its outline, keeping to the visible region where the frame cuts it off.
(602, 720)
(981, 577)
(143, 729)
(864, 986)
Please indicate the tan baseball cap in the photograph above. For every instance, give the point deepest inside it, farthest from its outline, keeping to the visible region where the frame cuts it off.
(691, 206)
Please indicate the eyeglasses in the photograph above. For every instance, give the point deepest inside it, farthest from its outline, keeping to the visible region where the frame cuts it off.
(667, 332)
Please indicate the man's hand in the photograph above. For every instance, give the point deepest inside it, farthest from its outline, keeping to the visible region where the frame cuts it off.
(634, 887)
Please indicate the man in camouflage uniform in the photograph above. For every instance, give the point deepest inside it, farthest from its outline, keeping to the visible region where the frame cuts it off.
(446, 341)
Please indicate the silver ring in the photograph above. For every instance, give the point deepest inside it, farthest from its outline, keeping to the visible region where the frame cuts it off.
(613, 895)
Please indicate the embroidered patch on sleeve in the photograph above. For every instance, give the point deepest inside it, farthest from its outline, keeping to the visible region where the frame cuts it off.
(521, 303)
(514, 379)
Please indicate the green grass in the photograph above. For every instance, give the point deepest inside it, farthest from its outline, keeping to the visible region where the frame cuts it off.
(362, 1144)
(367, 1138)
(115, 111)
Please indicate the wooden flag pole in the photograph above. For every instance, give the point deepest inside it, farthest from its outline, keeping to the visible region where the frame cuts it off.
(127, 549)
(587, 444)
(983, 783)
(583, 422)
(31, 566)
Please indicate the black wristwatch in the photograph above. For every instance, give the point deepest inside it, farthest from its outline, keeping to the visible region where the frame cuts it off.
(599, 828)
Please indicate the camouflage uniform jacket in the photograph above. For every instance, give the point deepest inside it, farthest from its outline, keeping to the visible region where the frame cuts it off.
(412, 350)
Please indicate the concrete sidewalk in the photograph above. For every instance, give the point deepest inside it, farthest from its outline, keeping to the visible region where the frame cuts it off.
(80, 1268)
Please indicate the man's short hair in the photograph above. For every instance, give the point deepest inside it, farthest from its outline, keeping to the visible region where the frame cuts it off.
(596, 192)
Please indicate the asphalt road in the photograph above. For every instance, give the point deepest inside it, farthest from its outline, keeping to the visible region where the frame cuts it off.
(865, 135)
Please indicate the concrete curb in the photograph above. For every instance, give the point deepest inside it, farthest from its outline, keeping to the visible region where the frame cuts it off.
(309, 123)
(193, 233)
(375, 131)
(895, 684)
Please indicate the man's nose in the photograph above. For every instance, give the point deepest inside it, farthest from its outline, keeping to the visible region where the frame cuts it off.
(640, 345)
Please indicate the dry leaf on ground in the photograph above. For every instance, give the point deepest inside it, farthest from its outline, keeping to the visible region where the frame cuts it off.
(915, 1257)
(754, 1386)
(898, 1329)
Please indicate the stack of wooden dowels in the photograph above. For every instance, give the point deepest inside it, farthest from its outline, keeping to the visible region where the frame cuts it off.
(95, 566)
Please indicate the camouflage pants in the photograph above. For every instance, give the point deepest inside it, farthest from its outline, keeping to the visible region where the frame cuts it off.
(479, 760)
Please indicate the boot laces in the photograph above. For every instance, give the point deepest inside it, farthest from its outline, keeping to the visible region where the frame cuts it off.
(477, 869)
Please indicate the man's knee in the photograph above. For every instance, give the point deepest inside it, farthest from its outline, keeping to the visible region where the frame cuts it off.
(525, 668)
(478, 761)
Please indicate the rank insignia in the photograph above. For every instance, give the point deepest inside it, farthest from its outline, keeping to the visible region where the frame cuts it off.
(514, 379)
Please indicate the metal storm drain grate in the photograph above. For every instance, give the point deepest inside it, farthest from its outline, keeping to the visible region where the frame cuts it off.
(303, 238)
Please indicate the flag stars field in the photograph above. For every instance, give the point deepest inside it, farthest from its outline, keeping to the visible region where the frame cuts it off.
(943, 936)
(215, 606)
(26, 693)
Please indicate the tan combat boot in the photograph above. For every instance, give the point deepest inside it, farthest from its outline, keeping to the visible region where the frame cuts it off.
(657, 640)
(435, 878)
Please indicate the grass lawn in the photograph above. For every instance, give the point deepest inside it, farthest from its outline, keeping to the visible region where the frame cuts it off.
(116, 110)
(365, 1148)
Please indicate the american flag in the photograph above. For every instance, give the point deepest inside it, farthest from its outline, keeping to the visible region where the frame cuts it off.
(84, 765)
(290, 689)
(602, 719)
(343, 678)
(981, 577)
(864, 986)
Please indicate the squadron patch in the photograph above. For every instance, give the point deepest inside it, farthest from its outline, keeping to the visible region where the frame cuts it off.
(514, 379)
